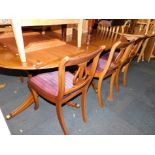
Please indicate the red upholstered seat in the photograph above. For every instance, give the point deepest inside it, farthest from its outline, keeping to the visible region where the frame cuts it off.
(106, 56)
(48, 82)
(103, 61)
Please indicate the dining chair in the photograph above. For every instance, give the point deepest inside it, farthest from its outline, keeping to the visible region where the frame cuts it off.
(146, 44)
(59, 87)
(142, 51)
(107, 66)
(127, 58)
(149, 51)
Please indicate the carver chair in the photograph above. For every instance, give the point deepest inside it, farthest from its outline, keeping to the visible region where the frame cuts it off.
(59, 87)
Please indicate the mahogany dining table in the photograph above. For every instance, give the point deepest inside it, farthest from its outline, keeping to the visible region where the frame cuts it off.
(43, 53)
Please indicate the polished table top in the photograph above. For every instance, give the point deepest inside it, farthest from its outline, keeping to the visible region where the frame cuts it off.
(42, 52)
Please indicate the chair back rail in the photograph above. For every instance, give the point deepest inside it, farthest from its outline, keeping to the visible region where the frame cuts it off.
(132, 50)
(81, 77)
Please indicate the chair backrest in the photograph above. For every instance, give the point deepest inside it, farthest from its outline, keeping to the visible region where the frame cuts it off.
(110, 58)
(125, 50)
(131, 51)
(114, 61)
(81, 78)
(149, 48)
(126, 26)
(138, 43)
(151, 29)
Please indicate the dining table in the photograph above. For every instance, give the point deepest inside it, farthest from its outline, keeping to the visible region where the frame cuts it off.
(17, 25)
(44, 52)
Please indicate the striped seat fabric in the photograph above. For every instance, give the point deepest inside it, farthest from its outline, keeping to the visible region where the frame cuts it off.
(103, 61)
(48, 82)
(106, 56)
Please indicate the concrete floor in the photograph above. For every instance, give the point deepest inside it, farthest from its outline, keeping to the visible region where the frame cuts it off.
(132, 112)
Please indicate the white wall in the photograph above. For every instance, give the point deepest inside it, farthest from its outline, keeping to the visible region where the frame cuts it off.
(4, 130)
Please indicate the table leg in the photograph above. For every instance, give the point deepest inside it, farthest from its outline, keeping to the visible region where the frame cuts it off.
(17, 30)
(63, 30)
(91, 23)
(79, 33)
(29, 101)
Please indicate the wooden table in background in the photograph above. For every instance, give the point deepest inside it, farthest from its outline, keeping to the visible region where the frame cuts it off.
(18, 24)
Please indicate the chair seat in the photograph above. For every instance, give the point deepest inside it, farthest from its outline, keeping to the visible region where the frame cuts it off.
(106, 56)
(48, 82)
(103, 61)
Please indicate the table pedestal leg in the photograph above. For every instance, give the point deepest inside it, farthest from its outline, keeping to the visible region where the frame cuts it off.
(72, 104)
(29, 101)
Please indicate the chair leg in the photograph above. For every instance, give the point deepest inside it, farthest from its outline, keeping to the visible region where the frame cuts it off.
(21, 79)
(125, 74)
(61, 118)
(140, 57)
(94, 85)
(117, 79)
(143, 57)
(29, 76)
(35, 96)
(99, 93)
(84, 111)
(110, 97)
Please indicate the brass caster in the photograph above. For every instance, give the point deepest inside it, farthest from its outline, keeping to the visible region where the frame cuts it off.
(8, 116)
(110, 99)
(36, 108)
(77, 106)
(2, 85)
